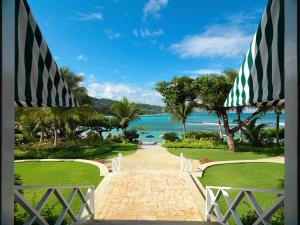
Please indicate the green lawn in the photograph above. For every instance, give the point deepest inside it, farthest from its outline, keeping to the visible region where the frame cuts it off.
(55, 174)
(220, 154)
(73, 150)
(247, 175)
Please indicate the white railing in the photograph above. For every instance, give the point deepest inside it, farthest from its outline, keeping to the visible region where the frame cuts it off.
(186, 164)
(86, 209)
(213, 210)
(116, 163)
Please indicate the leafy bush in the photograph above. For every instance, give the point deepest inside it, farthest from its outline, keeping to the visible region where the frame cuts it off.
(269, 136)
(71, 149)
(202, 144)
(131, 135)
(117, 138)
(202, 135)
(170, 137)
(92, 136)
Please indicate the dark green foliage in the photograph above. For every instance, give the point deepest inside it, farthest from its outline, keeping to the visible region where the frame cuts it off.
(92, 137)
(179, 96)
(202, 135)
(252, 132)
(131, 135)
(80, 149)
(100, 124)
(268, 136)
(116, 138)
(197, 144)
(104, 105)
(170, 137)
(125, 112)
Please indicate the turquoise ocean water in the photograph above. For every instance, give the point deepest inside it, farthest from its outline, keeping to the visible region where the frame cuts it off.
(157, 125)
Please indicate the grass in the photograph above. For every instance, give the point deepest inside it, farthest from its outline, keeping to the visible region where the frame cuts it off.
(73, 150)
(55, 174)
(247, 175)
(220, 154)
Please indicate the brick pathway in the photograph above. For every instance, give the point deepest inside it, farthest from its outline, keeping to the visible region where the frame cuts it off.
(147, 195)
(152, 158)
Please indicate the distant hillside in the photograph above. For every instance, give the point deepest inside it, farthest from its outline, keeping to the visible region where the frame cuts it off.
(104, 105)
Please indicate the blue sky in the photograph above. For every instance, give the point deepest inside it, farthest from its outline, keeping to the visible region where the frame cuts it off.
(122, 47)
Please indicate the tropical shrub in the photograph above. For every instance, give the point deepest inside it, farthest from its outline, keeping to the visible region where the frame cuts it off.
(131, 135)
(92, 136)
(268, 136)
(202, 135)
(252, 132)
(117, 138)
(170, 137)
(202, 144)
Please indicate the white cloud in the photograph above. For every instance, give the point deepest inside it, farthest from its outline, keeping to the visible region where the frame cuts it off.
(202, 71)
(83, 74)
(145, 32)
(117, 91)
(216, 41)
(82, 58)
(153, 7)
(111, 34)
(90, 16)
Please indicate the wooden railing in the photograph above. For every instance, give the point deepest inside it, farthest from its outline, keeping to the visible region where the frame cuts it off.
(86, 209)
(185, 164)
(213, 210)
(116, 163)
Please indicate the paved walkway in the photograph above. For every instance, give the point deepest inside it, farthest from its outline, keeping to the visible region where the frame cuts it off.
(151, 186)
(152, 157)
(147, 195)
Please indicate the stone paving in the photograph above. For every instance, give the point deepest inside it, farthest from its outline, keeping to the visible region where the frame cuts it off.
(148, 195)
(151, 187)
(152, 158)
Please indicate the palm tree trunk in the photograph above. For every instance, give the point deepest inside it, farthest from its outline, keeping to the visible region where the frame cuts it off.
(229, 133)
(55, 144)
(42, 133)
(239, 111)
(277, 127)
(220, 127)
(184, 128)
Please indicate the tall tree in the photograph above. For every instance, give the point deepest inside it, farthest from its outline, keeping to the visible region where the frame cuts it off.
(102, 124)
(179, 96)
(212, 92)
(125, 112)
(278, 110)
(231, 74)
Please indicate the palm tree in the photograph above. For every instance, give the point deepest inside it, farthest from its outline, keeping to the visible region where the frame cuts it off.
(239, 111)
(181, 112)
(252, 131)
(278, 110)
(125, 112)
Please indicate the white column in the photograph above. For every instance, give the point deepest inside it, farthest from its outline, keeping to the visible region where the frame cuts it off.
(7, 67)
(291, 114)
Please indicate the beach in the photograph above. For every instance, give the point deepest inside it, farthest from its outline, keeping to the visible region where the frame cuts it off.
(159, 124)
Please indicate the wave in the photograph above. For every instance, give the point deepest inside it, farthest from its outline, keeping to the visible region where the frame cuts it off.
(230, 124)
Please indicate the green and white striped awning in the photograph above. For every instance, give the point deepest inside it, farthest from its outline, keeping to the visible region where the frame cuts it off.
(37, 78)
(261, 76)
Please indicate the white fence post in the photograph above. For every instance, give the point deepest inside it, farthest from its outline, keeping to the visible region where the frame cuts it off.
(212, 209)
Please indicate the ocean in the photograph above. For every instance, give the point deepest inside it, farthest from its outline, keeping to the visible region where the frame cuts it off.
(157, 125)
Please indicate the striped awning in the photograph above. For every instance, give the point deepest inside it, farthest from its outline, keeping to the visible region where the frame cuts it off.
(37, 78)
(261, 76)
